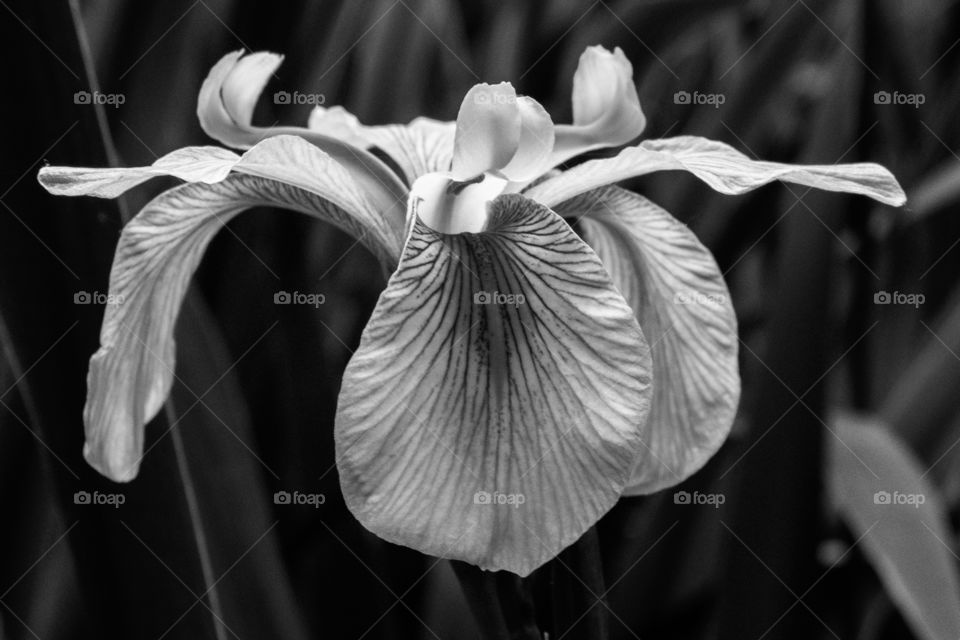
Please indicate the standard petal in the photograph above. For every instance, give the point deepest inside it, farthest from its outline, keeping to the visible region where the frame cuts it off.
(193, 164)
(225, 106)
(131, 374)
(606, 108)
(497, 401)
(720, 166)
(681, 300)
(423, 146)
(488, 130)
(535, 145)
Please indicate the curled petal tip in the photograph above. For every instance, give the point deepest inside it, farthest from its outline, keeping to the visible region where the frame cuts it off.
(606, 108)
(111, 466)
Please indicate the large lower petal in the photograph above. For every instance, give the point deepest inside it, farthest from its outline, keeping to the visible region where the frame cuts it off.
(681, 300)
(131, 374)
(497, 401)
(423, 146)
(720, 166)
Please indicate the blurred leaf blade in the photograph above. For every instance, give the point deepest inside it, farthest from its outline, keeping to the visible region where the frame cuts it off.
(907, 543)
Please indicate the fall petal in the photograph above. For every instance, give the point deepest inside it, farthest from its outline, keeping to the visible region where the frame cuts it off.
(131, 374)
(677, 291)
(719, 165)
(423, 146)
(455, 391)
(192, 164)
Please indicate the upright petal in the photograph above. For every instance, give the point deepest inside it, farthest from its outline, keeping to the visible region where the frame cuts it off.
(131, 374)
(677, 291)
(488, 130)
(496, 404)
(606, 108)
(225, 107)
(720, 166)
(535, 145)
(423, 146)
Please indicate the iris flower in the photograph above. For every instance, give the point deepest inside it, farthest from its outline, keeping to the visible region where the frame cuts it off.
(515, 378)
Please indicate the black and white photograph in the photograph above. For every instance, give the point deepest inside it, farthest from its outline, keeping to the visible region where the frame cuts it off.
(480, 320)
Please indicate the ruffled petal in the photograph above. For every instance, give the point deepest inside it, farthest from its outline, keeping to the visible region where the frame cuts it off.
(720, 166)
(225, 106)
(423, 146)
(535, 144)
(488, 131)
(131, 374)
(497, 402)
(677, 291)
(606, 108)
(192, 164)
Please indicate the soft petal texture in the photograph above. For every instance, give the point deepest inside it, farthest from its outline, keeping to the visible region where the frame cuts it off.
(606, 108)
(225, 107)
(720, 166)
(446, 396)
(462, 210)
(192, 164)
(131, 374)
(488, 132)
(535, 144)
(677, 291)
(423, 146)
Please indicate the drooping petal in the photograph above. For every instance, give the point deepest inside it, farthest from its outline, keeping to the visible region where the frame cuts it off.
(225, 106)
(720, 166)
(131, 374)
(479, 425)
(488, 130)
(423, 146)
(535, 144)
(192, 164)
(677, 291)
(606, 108)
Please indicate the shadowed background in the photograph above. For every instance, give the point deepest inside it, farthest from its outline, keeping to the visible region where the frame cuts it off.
(200, 550)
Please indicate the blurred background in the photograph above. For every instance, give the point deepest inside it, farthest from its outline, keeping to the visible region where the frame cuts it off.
(836, 500)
